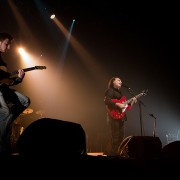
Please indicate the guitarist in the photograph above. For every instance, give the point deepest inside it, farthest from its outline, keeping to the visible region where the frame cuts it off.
(12, 102)
(116, 125)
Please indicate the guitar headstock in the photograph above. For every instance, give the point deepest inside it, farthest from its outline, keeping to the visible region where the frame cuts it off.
(40, 67)
(144, 92)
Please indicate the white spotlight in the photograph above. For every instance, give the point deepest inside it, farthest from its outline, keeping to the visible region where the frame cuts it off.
(52, 16)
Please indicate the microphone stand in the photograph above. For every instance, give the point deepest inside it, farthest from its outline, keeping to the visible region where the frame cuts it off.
(140, 108)
(140, 116)
(154, 127)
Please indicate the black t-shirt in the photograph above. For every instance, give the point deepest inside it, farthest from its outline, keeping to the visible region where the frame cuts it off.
(2, 63)
(3, 67)
(112, 93)
(4, 74)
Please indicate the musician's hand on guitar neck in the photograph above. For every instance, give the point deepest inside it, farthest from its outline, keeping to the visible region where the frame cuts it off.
(21, 73)
(134, 100)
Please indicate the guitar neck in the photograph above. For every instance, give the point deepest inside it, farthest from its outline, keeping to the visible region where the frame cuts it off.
(130, 100)
(25, 70)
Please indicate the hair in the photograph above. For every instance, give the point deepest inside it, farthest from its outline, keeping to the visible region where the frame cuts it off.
(110, 84)
(4, 35)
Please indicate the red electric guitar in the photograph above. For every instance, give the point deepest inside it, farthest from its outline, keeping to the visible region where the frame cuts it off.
(119, 114)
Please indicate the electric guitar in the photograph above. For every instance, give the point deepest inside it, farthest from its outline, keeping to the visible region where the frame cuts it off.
(119, 114)
(9, 81)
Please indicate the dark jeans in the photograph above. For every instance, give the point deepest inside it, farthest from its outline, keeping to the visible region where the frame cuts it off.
(12, 104)
(117, 134)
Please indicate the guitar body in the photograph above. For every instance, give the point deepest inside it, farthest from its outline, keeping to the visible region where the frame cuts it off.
(119, 114)
(6, 81)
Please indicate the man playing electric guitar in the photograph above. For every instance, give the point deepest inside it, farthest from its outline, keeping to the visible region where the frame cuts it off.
(112, 101)
(12, 102)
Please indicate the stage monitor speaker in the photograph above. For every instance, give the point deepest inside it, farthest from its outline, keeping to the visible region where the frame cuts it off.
(141, 147)
(51, 137)
(172, 150)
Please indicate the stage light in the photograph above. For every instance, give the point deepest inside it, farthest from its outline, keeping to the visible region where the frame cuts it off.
(52, 16)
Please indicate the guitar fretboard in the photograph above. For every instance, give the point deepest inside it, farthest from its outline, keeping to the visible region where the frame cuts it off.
(28, 69)
(137, 96)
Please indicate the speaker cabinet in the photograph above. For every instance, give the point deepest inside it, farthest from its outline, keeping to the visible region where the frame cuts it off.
(51, 137)
(172, 150)
(141, 147)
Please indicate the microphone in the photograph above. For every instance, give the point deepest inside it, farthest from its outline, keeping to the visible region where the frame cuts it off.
(152, 116)
(124, 85)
